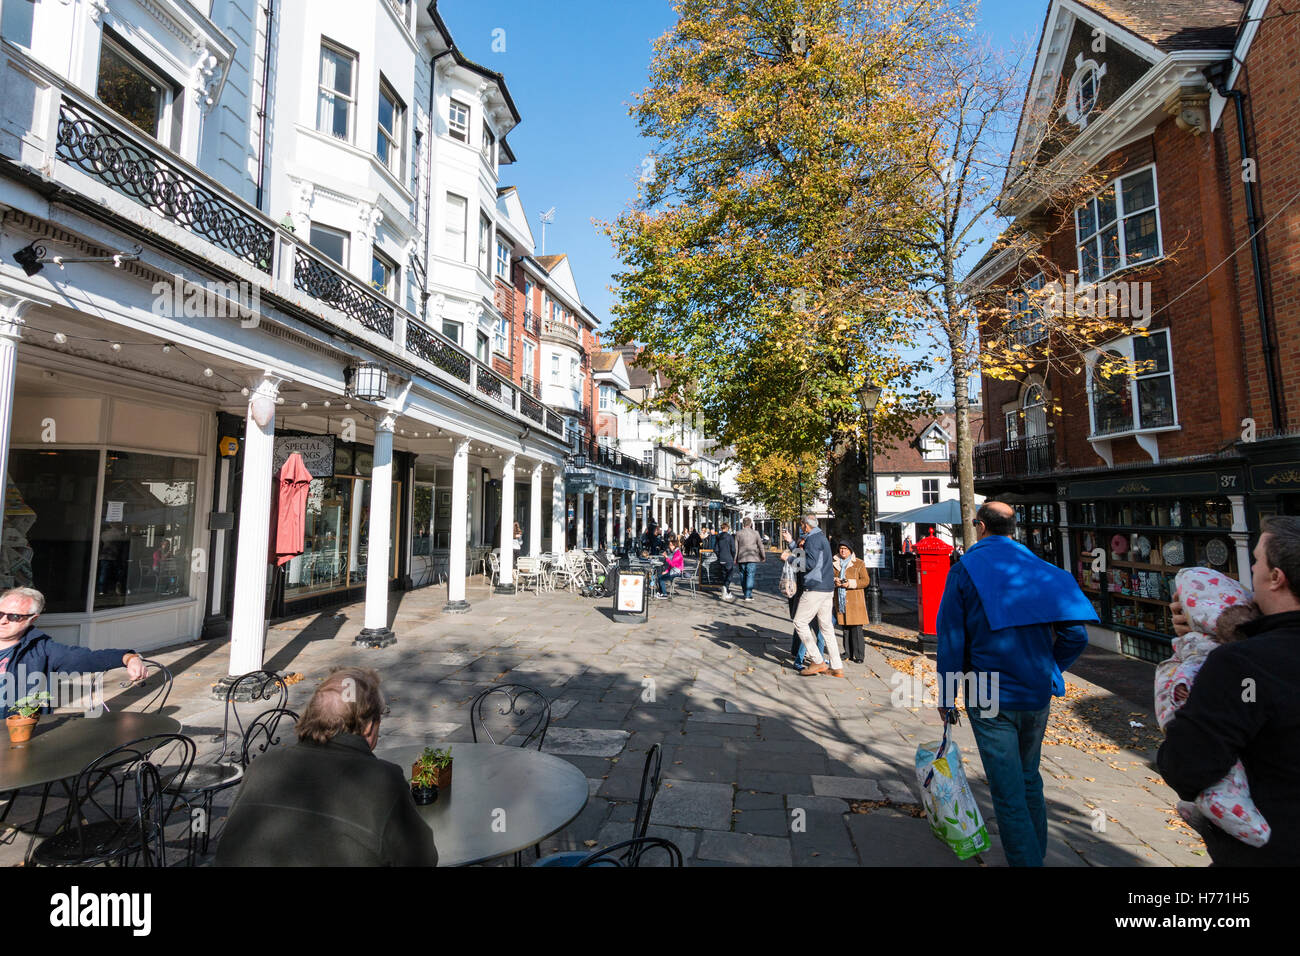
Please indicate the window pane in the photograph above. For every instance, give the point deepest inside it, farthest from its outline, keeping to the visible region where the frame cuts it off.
(330, 243)
(1151, 349)
(1087, 219)
(453, 245)
(336, 71)
(1112, 401)
(49, 525)
(128, 91)
(328, 540)
(1109, 240)
(1139, 192)
(1088, 261)
(1106, 207)
(1141, 237)
(1156, 401)
(146, 529)
(452, 331)
(387, 111)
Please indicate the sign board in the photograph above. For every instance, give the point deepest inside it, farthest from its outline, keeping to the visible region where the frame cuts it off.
(629, 597)
(873, 550)
(317, 453)
(580, 484)
(715, 505)
(643, 499)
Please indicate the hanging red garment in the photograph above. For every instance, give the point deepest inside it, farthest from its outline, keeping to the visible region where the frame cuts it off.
(291, 513)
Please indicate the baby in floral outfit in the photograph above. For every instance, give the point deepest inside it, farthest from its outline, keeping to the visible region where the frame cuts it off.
(1216, 607)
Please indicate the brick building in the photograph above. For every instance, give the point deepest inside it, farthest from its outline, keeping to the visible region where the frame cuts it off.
(1148, 472)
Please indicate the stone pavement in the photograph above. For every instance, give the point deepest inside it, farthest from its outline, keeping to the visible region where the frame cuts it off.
(761, 766)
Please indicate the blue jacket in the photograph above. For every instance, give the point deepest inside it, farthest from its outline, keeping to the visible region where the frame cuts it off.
(38, 653)
(1028, 658)
(820, 574)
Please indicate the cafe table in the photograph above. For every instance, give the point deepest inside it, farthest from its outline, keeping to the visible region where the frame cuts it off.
(61, 748)
(501, 800)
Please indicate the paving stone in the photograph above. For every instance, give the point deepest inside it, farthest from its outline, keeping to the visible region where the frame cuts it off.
(784, 762)
(708, 764)
(585, 742)
(687, 803)
(746, 720)
(770, 781)
(745, 800)
(849, 788)
(744, 849)
(811, 803)
(720, 730)
(825, 834)
(886, 837)
(764, 822)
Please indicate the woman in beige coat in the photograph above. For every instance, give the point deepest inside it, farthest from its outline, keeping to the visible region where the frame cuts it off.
(851, 580)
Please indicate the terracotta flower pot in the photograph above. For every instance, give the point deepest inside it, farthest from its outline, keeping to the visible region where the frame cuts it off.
(444, 777)
(20, 728)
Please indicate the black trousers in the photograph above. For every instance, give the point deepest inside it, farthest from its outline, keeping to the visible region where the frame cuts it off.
(854, 644)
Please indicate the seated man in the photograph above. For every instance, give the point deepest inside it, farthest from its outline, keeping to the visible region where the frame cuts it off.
(26, 650)
(328, 800)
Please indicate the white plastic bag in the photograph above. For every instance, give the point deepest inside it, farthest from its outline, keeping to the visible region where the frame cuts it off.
(789, 582)
(949, 804)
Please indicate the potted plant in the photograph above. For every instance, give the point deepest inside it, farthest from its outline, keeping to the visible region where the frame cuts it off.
(24, 714)
(430, 774)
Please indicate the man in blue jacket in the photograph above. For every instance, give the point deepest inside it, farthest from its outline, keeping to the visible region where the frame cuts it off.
(818, 582)
(26, 651)
(1010, 625)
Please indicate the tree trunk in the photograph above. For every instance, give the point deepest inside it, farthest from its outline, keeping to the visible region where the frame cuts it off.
(846, 503)
(965, 448)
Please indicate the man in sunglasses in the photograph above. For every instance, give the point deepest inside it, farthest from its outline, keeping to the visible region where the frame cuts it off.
(26, 650)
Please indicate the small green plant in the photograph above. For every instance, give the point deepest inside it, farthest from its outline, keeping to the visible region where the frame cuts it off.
(30, 705)
(425, 771)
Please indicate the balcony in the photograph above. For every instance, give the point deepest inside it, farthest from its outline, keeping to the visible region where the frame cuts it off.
(707, 489)
(531, 386)
(564, 334)
(606, 457)
(110, 170)
(530, 322)
(1020, 458)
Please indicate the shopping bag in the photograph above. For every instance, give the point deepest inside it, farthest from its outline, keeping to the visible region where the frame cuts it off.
(949, 804)
(789, 583)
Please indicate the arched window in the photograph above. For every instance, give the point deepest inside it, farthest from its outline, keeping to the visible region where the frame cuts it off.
(1035, 411)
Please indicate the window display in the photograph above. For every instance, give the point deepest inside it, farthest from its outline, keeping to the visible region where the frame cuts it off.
(49, 526)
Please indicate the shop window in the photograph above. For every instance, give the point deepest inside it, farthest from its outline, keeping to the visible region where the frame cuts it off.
(146, 528)
(49, 527)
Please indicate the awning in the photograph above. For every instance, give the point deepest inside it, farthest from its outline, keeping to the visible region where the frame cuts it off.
(941, 512)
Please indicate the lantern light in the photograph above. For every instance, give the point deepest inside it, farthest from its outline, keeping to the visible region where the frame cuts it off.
(367, 381)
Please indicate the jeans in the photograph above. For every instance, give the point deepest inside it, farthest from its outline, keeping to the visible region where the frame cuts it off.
(798, 650)
(748, 573)
(1010, 745)
(727, 570)
(663, 580)
(817, 604)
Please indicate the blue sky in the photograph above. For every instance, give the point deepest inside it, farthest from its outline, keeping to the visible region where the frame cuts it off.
(573, 67)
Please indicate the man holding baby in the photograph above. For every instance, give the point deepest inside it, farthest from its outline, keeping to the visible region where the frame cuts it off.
(1245, 705)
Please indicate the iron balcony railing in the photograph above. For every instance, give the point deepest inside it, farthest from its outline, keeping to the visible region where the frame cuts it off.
(530, 322)
(607, 457)
(562, 333)
(1019, 458)
(97, 154)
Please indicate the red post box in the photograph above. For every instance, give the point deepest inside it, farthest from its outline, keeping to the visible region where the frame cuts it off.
(932, 563)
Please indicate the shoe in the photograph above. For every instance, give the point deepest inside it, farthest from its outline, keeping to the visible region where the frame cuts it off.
(748, 600)
(812, 669)
(836, 672)
(728, 597)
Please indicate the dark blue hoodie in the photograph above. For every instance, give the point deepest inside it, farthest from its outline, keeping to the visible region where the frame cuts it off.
(38, 653)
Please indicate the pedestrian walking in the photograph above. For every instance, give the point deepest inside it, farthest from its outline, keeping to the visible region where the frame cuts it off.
(1010, 625)
(816, 601)
(749, 555)
(1244, 706)
(693, 542)
(725, 549)
(790, 557)
(851, 578)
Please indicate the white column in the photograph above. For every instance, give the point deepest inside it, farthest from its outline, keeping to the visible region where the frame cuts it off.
(11, 331)
(559, 516)
(507, 542)
(248, 616)
(580, 517)
(456, 603)
(609, 521)
(376, 632)
(535, 511)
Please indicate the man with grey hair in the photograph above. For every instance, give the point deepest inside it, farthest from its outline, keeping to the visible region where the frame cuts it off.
(817, 578)
(749, 555)
(328, 800)
(26, 651)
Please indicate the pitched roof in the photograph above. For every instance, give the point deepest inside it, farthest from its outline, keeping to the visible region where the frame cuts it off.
(904, 455)
(1175, 24)
(549, 262)
(604, 361)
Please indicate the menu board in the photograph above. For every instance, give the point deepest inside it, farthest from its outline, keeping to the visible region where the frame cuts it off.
(630, 596)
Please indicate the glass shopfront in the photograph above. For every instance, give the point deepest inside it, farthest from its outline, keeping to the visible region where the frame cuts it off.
(135, 551)
(1144, 543)
(1037, 528)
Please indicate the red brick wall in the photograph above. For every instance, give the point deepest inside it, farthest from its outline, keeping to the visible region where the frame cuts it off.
(1202, 316)
(1272, 119)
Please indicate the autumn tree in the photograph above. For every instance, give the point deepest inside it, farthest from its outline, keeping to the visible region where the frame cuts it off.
(765, 259)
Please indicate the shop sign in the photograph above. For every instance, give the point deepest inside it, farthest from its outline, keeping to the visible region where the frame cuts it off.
(317, 453)
(1277, 477)
(580, 484)
(1140, 486)
(873, 550)
(898, 493)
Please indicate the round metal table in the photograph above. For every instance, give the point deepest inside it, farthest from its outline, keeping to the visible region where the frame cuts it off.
(61, 750)
(501, 800)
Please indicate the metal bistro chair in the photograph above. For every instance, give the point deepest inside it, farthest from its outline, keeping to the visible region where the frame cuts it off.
(227, 768)
(529, 571)
(155, 703)
(265, 731)
(515, 703)
(630, 853)
(120, 805)
(651, 775)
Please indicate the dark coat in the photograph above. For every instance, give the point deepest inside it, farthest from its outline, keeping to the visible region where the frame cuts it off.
(726, 549)
(1221, 723)
(333, 804)
(38, 653)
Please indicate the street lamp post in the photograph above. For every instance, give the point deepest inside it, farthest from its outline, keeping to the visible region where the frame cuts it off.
(870, 397)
